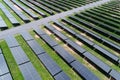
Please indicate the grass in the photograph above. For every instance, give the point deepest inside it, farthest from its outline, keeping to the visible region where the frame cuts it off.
(34, 59)
(16, 74)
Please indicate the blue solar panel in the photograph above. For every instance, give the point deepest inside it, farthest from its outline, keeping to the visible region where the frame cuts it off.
(84, 39)
(97, 62)
(52, 67)
(35, 47)
(115, 74)
(64, 54)
(6, 77)
(11, 41)
(83, 71)
(75, 46)
(19, 55)
(3, 65)
(60, 35)
(107, 53)
(29, 72)
(0, 51)
(62, 76)
(26, 36)
(51, 28)
(49, 40)
(39, 31)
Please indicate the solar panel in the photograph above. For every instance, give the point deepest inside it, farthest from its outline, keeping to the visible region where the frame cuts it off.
(39, 31)
(115, 74)
(85, 40)
(97, 62)
(52, 67)
(6, 77)
(75, 46)
(35, 47)
(60, 35)
(65, 28)
(14, 21)
(3, 65)
(19, 55)
(29, 72)
(33, 7)
(64, 54)
(26, 36)
(49, 40)
(50, 27)
(11, 41)
(26, 10)
(83, 71)
(0, 51)
(42, 7)
(107, 53)
(61, 76)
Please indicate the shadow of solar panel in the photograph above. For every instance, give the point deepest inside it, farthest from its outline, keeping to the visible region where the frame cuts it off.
(6, 77)
(3, 65)
(52, 67)
(29, 72)
(83, 71)
(19, 55)
(62, 76)
(97, 62)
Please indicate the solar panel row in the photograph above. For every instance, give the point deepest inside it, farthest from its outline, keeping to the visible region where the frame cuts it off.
(48, 62)
(107, 69)
(42, 7)
(23, 62)
(93, 35)
(3, 25)
(82, 70)
(4, 70)
(102, 50)
(49, 6)
(33, 7)
(98, 29)
(17, 11)
(34, 16)
(12, 19)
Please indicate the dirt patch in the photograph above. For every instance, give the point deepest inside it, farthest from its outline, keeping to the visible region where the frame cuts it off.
(68, 49)
(36, 36)
(47, 31)
(17, 8)
(79, 43)
(83, 34)
(59, 29)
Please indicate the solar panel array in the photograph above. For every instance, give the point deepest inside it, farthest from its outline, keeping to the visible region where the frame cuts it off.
(82, 46)
(19, 12)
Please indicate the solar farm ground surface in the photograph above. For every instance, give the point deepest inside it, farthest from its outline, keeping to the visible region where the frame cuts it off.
(84, 45)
